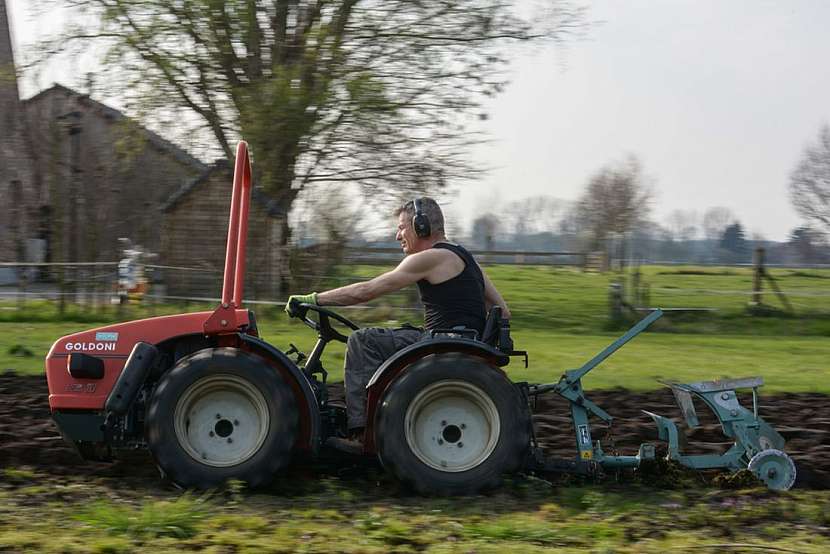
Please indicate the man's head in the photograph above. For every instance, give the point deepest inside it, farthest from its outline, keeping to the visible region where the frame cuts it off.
(406, 235)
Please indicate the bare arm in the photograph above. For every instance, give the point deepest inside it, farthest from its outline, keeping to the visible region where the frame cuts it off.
(492, 296)
(412, 269)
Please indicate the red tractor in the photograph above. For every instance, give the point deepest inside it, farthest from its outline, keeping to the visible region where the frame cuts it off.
(213, 401)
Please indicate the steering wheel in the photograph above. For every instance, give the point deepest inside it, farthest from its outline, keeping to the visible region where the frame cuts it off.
(322, 325)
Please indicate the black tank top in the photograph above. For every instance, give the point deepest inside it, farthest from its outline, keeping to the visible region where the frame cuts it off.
(457, 301)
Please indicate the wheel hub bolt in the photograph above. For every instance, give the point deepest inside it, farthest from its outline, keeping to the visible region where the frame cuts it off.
(211, 433)
(443, 424)
(218, 416)
(460, 445)
(230, 440)
(463, 426)
(440, 441)
(236, 422)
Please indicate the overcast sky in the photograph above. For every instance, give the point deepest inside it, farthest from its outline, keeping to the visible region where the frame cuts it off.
(717, 98)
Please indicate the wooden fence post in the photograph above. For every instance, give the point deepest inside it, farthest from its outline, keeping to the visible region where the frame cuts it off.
(636, 299)
(22, 281)
(757, 277)
(615, 301)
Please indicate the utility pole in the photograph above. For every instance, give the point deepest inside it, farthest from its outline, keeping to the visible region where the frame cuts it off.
(16, 182)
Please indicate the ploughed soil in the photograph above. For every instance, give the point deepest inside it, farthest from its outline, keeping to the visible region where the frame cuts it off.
(29, 438)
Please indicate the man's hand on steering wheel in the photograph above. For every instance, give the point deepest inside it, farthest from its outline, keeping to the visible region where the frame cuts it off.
(322, 325)
(296, 299)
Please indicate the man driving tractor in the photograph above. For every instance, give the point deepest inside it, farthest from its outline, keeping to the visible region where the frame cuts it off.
(454, 291)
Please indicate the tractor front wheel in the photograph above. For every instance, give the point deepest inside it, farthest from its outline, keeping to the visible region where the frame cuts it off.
(452, 425)
(221, 414)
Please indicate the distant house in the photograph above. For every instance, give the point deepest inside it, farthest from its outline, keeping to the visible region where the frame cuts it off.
(101, 176)
(76, 175)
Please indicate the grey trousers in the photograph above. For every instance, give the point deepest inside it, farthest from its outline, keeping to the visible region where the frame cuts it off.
(366, 350)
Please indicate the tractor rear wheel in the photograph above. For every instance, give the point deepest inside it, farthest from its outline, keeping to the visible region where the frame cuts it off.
(452, 425)
(221, 414)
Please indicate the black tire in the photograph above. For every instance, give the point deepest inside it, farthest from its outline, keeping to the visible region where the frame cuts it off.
(260, 412)
(422, 396)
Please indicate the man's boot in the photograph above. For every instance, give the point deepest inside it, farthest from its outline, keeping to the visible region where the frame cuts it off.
(353, 444)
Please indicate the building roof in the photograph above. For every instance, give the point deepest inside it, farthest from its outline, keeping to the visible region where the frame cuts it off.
(111, 113)
(258, 196)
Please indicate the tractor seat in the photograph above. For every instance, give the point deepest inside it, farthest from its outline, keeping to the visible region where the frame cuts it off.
(497, 331)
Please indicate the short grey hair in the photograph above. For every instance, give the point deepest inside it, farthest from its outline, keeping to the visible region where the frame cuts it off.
(429, 208)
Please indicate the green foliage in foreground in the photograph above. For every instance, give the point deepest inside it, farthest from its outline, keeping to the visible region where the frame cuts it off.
(331, 515)
(161, 518)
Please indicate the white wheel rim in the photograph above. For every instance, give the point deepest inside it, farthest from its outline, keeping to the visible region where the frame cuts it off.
(222, 420)
(452, 426)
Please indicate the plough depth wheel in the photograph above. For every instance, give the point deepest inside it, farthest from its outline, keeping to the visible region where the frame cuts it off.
(775, 468)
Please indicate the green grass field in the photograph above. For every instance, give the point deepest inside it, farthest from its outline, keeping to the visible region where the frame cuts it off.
(795, 364)
(561, 318)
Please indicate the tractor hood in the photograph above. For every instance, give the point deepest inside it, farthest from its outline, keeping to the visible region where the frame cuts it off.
(112, 345)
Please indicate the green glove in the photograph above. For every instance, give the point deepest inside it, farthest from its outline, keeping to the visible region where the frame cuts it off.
(295, 299)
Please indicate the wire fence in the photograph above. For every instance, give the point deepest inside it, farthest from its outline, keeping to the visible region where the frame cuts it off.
(93, 287)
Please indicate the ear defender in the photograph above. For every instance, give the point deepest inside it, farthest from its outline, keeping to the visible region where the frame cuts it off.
(420, 222)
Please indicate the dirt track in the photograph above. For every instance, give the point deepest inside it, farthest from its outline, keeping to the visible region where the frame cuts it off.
(28, 437)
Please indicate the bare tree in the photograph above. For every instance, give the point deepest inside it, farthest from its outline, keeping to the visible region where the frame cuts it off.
(682, 225)
(375, 92)
(484, 230)
(715, 221)
(330, 221)
(615, 200)
(808, 245)
(810, 181)
(536, 214)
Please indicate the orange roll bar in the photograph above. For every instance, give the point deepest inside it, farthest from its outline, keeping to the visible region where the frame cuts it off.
(234, 277)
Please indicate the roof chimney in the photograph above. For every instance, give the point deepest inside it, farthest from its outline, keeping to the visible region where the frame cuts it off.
(9, 95)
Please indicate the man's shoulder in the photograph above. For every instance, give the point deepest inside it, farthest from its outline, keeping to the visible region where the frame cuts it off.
(455, 248)
(450, 246)
(451, 257)
(421, 261)
(431, 257)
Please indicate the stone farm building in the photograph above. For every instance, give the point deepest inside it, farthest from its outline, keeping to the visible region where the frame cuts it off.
(194, 236)
(77, 175)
